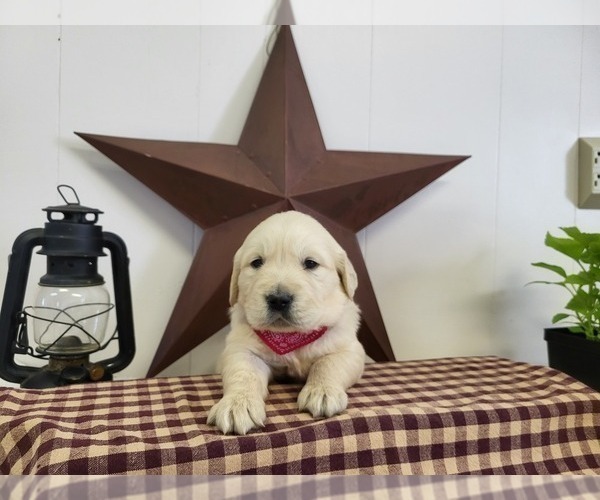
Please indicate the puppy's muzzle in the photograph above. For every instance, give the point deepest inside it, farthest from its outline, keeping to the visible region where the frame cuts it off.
(279, 302)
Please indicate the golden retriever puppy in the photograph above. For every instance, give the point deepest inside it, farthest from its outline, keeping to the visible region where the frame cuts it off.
(292, 315)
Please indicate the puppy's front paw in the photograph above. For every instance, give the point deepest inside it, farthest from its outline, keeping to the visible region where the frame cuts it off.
(237, 413)
(322, 400)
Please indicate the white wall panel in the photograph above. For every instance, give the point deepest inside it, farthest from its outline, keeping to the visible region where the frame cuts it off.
(232, 59)
(29, 62)
(436, 91)
(590, 83)
(336, 61)
(438, 12)
(536, 182)
(332, 12)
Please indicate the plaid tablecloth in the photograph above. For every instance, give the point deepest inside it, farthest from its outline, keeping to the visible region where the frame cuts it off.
(443, 416)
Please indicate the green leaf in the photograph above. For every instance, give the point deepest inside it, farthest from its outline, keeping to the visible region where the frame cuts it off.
(576, 234)
(559, 317)
(594, 252)
(540, 282)
(580, 302)
(585, 238)
(580, 279)
(594, 273)
(557, 269)
(566, 246)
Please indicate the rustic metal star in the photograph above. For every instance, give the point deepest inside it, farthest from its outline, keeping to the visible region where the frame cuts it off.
(280, 163)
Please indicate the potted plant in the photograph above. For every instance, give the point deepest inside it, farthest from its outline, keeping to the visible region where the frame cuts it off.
(575, 348)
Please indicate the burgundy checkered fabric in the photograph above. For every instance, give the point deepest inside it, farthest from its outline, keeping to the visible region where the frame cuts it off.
(443, 416)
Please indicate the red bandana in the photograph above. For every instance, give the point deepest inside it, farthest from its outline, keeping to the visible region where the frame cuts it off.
(284, 342)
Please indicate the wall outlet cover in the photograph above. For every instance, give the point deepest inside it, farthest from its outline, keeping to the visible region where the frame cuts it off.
(589, 172)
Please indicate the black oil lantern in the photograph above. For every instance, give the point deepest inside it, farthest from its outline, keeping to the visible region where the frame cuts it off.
(72, 305)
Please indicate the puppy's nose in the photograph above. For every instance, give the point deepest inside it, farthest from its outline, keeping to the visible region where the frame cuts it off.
(279, 301)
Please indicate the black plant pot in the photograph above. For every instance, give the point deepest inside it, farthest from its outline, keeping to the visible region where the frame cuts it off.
(574, 355)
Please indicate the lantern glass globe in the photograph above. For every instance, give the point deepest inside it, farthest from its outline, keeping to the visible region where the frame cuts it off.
(70, 320)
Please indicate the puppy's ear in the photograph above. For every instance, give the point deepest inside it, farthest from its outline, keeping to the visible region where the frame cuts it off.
(235, 274)
(347, 274)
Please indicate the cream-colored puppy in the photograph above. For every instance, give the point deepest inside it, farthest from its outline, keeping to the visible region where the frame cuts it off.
(292, 314)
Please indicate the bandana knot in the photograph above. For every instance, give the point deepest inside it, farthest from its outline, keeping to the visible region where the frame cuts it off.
(284, 342)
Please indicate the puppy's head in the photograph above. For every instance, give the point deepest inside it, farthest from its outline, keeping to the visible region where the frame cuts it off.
(291, 274)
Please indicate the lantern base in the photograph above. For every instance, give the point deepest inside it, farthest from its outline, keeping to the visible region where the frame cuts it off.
(62, 371)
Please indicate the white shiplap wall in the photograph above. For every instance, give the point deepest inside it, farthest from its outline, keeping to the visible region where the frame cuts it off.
(449, 266)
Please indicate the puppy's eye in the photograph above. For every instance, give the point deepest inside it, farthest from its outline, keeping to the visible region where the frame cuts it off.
(256, 263)
(310, 264)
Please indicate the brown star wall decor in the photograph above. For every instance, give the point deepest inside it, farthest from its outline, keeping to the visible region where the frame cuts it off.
(280, 163)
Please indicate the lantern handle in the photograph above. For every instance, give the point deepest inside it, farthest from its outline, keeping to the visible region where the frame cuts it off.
(62, 195)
